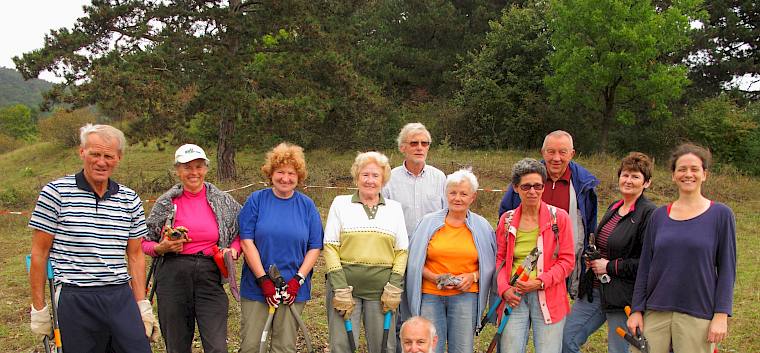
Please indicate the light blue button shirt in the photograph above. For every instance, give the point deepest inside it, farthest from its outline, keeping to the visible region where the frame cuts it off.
(418, 195)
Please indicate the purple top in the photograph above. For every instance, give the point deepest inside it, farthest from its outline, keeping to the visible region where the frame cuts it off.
(688, 266)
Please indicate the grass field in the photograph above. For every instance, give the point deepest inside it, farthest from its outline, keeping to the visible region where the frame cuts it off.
(149, 172)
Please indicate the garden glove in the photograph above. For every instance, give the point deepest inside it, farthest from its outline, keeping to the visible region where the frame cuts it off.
(343, 301)
(152, 330)
(391, 297)
(293, 286)
(41, 323)
(269, 291)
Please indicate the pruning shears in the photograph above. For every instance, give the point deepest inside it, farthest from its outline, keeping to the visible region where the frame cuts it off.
(522, 273)
(638, 340)
(523, 270)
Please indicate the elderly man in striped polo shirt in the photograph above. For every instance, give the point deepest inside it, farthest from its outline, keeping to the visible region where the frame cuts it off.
(85, 223)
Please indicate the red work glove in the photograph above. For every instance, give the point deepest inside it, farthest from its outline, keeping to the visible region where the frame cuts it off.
(268, 289)
(293, 286)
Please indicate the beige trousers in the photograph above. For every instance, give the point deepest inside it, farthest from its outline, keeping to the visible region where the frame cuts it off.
(686, 332)
(284, 331)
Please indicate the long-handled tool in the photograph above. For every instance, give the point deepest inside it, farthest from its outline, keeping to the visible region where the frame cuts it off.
(150, 287)
(350, 333)
(386, 330)
(638, 340)
(280, 293)
(56, 334)
(522, 273)
(524, 270)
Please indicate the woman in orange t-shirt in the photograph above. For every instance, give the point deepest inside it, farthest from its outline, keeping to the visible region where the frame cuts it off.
(451, 263)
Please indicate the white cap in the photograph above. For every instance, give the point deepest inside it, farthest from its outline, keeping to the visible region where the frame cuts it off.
(189, 152)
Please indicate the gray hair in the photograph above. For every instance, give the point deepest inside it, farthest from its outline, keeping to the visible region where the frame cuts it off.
(555, 134)
(362, 159)
(461, 176)
(417, 320)
(106, 132)
(527, 166)
(412, 128)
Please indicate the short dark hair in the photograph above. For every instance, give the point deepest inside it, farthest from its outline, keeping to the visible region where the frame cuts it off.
(638, 162)
(690, 148)
(527, 166)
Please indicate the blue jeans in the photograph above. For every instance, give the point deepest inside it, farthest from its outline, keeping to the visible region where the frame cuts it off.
(585, 318)
(454, 318)
(546, 338)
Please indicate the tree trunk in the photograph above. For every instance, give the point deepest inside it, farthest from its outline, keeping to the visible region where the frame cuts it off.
(226, 149)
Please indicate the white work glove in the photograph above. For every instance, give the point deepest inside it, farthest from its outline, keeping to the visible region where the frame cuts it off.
(152, 330)
(41, 323)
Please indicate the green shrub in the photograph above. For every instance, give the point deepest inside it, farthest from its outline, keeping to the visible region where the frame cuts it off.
(62, 127)
(727, 129)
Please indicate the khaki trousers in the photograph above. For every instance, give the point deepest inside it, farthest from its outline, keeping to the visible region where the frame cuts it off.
(284, 331)
(686, 332)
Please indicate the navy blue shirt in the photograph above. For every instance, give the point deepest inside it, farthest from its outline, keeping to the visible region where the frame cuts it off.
(688, 266)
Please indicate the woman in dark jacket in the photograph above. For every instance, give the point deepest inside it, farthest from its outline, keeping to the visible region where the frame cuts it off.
(608, 286)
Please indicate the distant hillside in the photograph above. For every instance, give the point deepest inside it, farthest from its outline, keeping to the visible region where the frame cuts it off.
(14, 90)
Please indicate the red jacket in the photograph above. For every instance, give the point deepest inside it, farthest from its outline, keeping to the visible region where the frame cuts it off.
(553, 299)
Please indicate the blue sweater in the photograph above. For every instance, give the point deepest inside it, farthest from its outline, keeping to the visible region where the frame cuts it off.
(688, 266)
(485, 243)
(283, 230)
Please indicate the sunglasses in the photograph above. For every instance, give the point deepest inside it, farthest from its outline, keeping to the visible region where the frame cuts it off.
(417, 143)
(537, 187)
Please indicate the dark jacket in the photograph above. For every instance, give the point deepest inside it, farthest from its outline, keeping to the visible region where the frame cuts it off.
(624, 249)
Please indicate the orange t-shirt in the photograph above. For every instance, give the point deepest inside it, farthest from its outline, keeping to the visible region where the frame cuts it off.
(450, 250)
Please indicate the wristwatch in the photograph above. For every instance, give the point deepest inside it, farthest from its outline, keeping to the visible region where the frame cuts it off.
(542, 284)
(301, 278)
(474, 277)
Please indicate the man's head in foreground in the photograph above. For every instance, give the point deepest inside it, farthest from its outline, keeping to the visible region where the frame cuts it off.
(418, 335)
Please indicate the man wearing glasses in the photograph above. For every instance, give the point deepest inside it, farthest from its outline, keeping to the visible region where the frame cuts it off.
(419, 187)
(570, 187)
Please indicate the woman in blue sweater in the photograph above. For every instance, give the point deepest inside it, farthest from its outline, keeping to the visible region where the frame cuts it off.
(685, 281)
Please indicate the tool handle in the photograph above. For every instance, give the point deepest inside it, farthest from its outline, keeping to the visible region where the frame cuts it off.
(489, 315)
(350, 333)
(494, 342)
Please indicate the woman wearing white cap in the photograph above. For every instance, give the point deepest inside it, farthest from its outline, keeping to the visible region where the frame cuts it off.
(188, 281)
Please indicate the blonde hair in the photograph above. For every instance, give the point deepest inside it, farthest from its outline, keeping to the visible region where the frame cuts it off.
(285, 154)
(362, 159)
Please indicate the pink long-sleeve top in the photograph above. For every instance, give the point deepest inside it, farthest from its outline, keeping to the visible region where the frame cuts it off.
(552, 271)
(195, 214)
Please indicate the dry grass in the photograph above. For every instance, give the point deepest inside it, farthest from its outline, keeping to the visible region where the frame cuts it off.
(149, 172)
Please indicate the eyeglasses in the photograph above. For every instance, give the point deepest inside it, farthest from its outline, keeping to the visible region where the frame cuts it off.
(537, 187)
(417, 143)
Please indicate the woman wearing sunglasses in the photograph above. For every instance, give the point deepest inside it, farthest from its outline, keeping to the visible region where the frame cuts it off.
(540, 301)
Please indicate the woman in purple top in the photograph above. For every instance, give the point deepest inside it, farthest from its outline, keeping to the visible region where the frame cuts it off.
(685, 281)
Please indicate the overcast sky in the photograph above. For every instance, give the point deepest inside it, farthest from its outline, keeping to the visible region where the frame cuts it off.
(24, 23)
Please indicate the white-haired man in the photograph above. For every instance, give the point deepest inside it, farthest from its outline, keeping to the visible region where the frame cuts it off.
(418, 335)
(419, 188)
(85, 224)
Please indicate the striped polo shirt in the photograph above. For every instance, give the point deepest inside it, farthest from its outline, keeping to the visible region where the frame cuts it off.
(89, 233)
